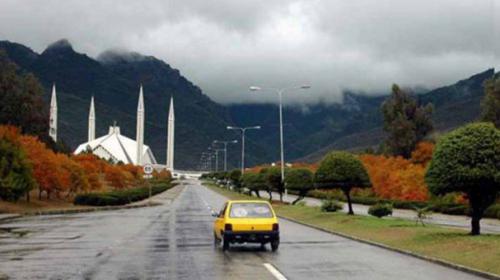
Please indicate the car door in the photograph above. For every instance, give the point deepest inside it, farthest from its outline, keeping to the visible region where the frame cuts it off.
(219, 221)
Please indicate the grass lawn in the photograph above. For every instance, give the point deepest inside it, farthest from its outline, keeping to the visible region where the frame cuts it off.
(453, 245)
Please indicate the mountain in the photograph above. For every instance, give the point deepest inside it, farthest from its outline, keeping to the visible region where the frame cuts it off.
(454, 105)
(114, 82)
(113, 78)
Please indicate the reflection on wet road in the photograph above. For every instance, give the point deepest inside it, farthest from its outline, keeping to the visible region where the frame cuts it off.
(175, 241)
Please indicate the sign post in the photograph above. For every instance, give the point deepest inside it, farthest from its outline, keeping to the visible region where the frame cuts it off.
(148, 174)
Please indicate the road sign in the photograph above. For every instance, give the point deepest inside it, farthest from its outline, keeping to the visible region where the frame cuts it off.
(148, 169)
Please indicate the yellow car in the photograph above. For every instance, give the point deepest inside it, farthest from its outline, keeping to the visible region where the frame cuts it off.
(246, 221)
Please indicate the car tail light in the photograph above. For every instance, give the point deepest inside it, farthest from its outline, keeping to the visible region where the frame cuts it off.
(228, 227)
(276, 227)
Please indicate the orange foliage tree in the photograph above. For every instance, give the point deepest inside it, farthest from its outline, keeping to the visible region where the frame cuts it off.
(115, 176)
(47, 169)
(396, 178)
(422, 153)
(94, 169)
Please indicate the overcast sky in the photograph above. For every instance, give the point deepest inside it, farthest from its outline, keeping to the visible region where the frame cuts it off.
(224, 46)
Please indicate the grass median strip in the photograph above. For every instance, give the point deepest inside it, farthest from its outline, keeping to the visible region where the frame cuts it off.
(451, 245)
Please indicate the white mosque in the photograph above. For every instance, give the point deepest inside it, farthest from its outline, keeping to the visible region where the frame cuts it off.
(115, 146)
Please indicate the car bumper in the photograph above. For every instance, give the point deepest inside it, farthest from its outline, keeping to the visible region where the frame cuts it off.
(251, 236)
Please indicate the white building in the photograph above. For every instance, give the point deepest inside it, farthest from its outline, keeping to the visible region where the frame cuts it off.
(117, 147)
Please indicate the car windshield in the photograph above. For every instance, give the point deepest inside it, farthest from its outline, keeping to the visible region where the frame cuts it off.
(250, 210)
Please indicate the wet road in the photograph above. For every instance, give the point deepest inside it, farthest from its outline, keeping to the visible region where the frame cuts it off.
(175, 241)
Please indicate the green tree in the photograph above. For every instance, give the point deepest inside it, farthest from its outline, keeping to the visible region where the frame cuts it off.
(344, 171)
(273, 180)
(235, 177)
(491, 102)
(468, 160)
(255, 182)
(300, 180)
(16, 177)
(21, 101)
(405, 122)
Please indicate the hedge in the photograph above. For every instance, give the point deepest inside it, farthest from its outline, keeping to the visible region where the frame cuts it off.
(120, 197)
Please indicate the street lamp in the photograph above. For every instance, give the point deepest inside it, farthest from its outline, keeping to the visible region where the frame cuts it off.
(225, 149)
(280, 92)
(243, 129)
(207, 157)
(216, 152)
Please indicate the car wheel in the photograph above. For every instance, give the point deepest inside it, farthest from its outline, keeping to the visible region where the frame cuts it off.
(225, 244)
(275, 244)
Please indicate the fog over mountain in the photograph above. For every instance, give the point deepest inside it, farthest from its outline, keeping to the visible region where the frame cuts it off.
(224, 46)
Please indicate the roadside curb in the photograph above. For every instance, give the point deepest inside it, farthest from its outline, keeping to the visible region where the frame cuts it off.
(462, 268)
(176, 190)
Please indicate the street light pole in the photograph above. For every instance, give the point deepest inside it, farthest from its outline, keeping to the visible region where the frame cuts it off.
(225, 149)
(280, 93)
(243, 130)
(282, 152)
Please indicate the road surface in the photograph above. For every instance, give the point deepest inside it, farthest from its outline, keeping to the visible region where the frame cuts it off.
(175, 241)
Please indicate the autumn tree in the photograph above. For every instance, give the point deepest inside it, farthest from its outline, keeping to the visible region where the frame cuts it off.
(15, 170)
(468, 160)
(48, 172)
(300, 180)
(405, 122)
(344, 171)
(396, 177)
(115, 176)
(491, 102)
(78, 180)
(422, 153)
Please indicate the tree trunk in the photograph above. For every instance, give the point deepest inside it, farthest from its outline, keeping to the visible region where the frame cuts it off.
(281, 196)
(299, 198)
(348, 196)
(270, 195)
(478, 202)
(475, 225)
(39, 194)
(257, 194)
(28, 196)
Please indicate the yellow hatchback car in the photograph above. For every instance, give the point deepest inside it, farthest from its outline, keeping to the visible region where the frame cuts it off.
(246, 221)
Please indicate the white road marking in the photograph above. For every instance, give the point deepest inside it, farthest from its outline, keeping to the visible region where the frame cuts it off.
(274, 271)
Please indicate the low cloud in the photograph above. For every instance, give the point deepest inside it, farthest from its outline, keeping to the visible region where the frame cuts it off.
(225, 46)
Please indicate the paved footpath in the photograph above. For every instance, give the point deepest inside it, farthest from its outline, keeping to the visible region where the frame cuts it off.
(174, 240)
(487, 225)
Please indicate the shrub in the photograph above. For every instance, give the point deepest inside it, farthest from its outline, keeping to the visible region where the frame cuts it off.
(493, 211)
(344, 171)
(330, 205)
(468, 160)
(120, 197)
(380, 210)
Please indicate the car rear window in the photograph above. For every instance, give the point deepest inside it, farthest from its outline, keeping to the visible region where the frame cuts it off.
(250, 210)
